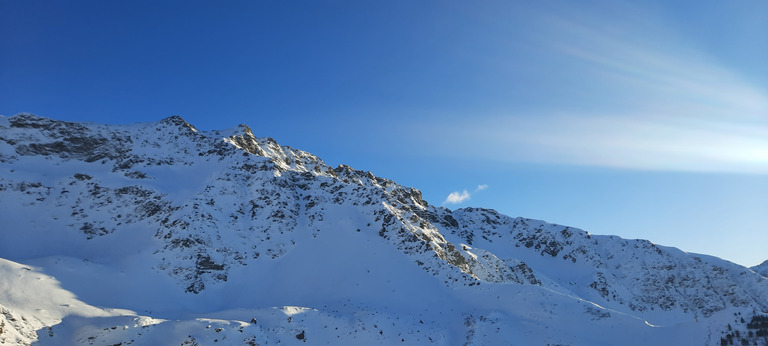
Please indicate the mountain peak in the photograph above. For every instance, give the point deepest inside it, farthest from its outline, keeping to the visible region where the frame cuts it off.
(30, 120)
(761, 268)
(223, 224)
(246, 129)
(178, 121)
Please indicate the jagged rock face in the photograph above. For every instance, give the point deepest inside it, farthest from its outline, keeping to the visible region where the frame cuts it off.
(209, 204)
(634, 273)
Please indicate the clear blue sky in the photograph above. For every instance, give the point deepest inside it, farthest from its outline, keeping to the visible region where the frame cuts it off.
(646, 119)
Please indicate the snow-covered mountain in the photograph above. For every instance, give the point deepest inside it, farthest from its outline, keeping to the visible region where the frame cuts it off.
(157, 233)
(761, 268)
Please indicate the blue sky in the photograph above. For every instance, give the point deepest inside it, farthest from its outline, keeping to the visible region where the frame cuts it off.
(644, 119)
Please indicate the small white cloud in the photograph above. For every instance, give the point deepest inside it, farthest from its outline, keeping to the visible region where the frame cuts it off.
(457, 197)
(481, 187)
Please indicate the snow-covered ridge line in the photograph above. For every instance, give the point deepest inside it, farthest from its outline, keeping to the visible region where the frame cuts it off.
(761, 268)
(213, 221)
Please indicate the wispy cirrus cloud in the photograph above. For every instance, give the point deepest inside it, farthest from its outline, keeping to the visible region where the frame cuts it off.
(664, 105)
(481, 187)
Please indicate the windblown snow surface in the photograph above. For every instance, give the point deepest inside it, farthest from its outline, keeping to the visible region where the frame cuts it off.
(160, 234)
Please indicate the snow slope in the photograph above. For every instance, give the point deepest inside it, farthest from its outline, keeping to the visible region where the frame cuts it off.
(761, 268)
(32, 300)
(166, 234)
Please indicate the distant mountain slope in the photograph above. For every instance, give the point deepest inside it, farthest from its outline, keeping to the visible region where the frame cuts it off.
(761, 268)
(223, 224)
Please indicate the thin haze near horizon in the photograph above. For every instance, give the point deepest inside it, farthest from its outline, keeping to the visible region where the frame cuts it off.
(645, 119)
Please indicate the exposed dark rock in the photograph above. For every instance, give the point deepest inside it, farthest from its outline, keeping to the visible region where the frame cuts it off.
(82, 176)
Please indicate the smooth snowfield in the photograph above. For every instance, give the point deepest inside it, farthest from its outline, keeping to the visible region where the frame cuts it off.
(348, 316)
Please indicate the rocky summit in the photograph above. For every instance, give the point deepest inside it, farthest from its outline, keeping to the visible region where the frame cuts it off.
(157, 233)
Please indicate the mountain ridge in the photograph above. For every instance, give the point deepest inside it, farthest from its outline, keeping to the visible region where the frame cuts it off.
(761, 268)
(198, 215)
